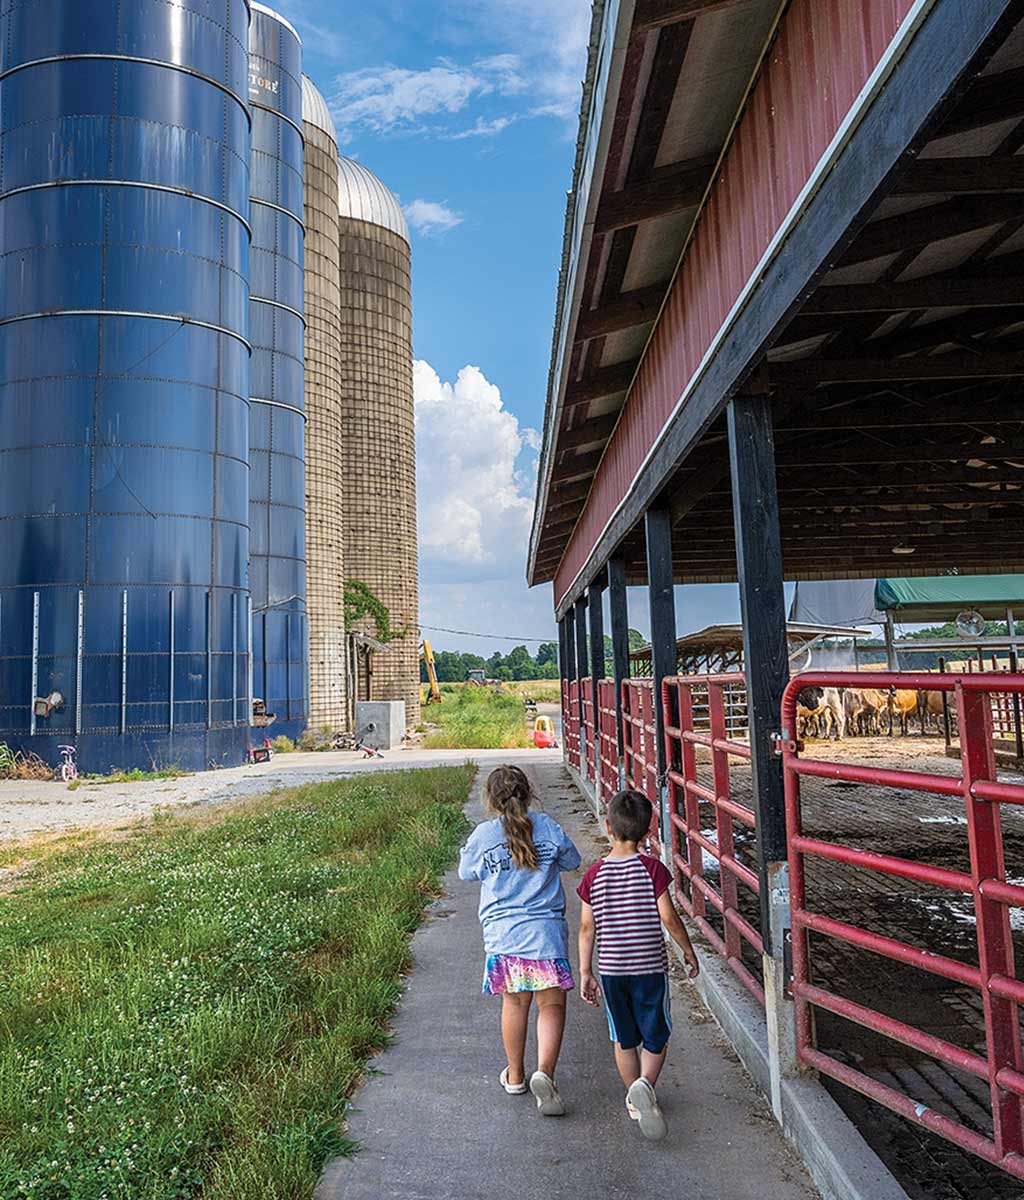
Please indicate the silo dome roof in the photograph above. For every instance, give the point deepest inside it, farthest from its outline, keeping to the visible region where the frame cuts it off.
(315, 110)
(362, 196)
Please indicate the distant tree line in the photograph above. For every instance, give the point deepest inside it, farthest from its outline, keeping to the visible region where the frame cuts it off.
(519, 663)
(928, 660)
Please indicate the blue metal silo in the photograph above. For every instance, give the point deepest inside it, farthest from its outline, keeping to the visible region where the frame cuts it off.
(124, 379)
(277, 501)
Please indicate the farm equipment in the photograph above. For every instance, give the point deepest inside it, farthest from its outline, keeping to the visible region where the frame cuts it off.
(427, 658)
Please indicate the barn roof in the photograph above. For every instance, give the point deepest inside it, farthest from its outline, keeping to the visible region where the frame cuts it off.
(942, 598)
(716, 639)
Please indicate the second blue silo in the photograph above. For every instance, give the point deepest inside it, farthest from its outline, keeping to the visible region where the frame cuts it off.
(277, 502)
(124, 380)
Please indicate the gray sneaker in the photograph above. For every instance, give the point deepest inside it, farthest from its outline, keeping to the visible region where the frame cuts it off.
(643, 1098)
(549, 1102)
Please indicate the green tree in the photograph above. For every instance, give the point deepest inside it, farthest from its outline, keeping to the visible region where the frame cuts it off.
(547, 652)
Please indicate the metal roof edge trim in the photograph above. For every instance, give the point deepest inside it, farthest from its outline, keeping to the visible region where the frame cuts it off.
(608, 77)
(885, 66)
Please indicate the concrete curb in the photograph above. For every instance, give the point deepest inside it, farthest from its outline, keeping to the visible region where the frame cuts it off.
(842, 1165)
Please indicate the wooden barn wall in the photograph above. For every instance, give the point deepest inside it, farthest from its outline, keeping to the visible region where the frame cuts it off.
(824, 54)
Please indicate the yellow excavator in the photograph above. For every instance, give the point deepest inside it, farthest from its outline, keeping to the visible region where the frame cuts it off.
(427, 658)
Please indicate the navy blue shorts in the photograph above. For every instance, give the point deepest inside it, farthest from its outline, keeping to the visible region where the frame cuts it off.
(637, 1007)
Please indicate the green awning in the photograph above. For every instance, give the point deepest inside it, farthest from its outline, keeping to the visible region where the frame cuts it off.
(941, 598)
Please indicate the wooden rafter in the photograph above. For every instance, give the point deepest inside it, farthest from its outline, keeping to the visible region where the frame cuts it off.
(605, 381)
(968, 176)
(651, 14)
(657, 196)
(806, 372)
(628, 310)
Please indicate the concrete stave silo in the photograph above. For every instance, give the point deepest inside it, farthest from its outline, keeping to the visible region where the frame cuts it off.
(379, 447)
(325, 532)
(277, 569)
(124, 380)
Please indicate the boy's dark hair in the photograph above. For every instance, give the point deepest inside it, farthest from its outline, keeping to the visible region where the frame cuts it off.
(629, 815)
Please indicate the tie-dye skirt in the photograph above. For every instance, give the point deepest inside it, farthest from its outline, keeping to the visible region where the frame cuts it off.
(508, 973)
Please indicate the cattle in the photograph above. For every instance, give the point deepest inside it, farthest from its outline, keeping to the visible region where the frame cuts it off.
(862, 708)
(821, 710)
(809, 706)
(932, 709)
(901, 703)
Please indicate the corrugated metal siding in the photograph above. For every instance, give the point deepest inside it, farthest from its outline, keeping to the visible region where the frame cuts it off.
(825, 52)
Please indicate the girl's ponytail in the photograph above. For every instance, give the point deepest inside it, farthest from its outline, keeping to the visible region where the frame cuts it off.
(508, 795)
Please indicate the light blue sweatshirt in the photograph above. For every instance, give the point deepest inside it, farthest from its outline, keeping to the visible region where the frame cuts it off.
(522, 912)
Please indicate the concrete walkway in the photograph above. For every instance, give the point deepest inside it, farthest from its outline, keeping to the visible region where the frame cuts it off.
(433, 1124)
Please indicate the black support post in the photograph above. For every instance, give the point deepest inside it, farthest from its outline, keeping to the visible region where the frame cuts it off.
(582, 655)
(661, 595)
(755, 504)
(619, 612)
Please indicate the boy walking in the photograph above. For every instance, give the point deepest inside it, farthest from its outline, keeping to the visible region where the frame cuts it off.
(626, 903)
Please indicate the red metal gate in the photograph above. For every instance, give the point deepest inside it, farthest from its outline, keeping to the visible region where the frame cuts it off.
(977, 785)
(588, 747)
(640, 761)
(697, 723)
(571, 722)
(608, 740)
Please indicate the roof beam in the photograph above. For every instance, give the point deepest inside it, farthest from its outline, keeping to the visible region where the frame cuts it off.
(624, 312)
(652, 14)
(928, 292)
(859, 500)
(569, 493)
(657, 196)
(990, 98)
(912, 415)
(597, 430)
(914, 230)
(806, 372)
(960, 175)
(577, 466)
(863, 452)
(605, 381)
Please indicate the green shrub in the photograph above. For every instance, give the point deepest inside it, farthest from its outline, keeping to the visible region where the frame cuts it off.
(282, 744)
(479, 718)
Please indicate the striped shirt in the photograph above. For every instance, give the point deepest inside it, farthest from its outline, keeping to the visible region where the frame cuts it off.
(623, 892)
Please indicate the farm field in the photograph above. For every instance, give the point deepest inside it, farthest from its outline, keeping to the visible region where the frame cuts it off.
(476, 718)
(185, 1005)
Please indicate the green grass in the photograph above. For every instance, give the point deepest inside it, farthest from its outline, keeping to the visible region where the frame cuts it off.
(135, 775)
(184, 1010)
(477, 719)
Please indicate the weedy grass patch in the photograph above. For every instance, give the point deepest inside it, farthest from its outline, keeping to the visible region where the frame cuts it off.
(478, 718)
(184, 1010)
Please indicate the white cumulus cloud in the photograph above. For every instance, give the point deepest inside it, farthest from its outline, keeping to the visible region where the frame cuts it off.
(430, 217)
(392, 99)
(475, 494)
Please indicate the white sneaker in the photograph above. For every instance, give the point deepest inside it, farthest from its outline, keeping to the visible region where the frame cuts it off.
(634, 1112)
(513, 1089)
(549, 1102)
(643, 1098)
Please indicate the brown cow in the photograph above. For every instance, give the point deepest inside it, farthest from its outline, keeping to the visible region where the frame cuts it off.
(862, 708)
(901, 703)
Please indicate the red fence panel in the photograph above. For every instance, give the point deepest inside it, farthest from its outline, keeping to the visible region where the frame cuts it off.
(589, 728)
(1000, 1063)
(571, 723)
(608, 740)
(639, 757)
(700, 720)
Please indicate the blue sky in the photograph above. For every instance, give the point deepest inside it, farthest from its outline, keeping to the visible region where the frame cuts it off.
(468, 110)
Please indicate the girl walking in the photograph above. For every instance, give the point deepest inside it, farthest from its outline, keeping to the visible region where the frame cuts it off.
(518, 857)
